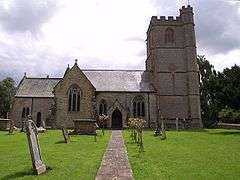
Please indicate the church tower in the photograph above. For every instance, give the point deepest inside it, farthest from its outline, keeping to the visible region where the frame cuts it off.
(172, 63)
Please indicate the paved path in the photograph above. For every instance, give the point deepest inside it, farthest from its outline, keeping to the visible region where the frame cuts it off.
(115, 163)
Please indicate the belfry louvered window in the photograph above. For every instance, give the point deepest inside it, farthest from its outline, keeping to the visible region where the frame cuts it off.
(74, 96)
(138, 107)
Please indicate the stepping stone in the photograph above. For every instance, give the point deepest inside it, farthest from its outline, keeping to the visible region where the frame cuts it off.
(115, 164)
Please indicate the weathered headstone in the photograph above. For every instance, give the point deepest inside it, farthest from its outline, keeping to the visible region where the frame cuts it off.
(177, 123)
(11, 127)
(65, 135)
(34, 148)
(44, 124)
(163, 131)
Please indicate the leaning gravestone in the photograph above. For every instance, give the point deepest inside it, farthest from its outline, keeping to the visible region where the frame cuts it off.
(65, 135)
(37, 163)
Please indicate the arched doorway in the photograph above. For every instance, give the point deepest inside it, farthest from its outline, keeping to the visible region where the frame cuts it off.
(117, 119)
(39, 119)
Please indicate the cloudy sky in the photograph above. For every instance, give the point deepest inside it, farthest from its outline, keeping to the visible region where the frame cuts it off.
(42, 37)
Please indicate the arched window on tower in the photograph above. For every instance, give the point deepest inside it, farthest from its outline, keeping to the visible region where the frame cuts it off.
(74, 97)
(169, 35)
(103, 107)
(138, 106)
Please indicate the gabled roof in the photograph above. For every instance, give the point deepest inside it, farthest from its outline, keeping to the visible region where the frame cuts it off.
(119, 80)
(37, 87)
(102, 80)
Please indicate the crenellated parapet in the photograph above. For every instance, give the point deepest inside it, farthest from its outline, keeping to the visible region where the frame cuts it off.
(186, 16)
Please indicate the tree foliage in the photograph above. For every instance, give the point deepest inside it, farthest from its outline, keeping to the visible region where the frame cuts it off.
(217, 90)
(7, 92)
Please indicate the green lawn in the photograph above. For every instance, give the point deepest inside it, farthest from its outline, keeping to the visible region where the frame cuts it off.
(206, 154)
(78, 160)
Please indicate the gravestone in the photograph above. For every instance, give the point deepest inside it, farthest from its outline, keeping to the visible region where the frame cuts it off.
(177, 124)
(11, 127)
(65, 135)
(34, 148)
(163, 131)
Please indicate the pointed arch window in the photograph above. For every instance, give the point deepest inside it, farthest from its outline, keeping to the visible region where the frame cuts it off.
(27, 111)
(103, 107)
(23, 113)
(169, 35)
(74, 97)
(138, 106)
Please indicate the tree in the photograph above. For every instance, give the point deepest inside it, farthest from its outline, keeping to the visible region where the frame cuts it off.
(209, 92)
(218, 91)
(230, 80)
(7, 92)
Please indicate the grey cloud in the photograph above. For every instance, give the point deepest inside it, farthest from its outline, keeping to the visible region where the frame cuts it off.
(142, 53)
(218, 25)
(217, 22)
(136, 39)
(26, 15)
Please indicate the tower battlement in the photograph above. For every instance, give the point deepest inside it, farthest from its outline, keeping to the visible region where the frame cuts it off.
(186, 9)
(185, 16)
(167, 19)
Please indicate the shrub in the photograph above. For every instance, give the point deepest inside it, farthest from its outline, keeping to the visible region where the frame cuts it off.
(228, 115)
(136, 125)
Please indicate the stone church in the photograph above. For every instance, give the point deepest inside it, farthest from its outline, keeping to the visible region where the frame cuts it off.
(168, 86)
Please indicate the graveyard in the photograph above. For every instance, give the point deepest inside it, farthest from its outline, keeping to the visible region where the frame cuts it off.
(191, 154)
(79, 158)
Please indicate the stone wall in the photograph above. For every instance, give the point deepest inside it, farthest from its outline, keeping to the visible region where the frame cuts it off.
(124, 102)
(35, 105)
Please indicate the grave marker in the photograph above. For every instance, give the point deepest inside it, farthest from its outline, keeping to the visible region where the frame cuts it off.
(34, 148)
(11, 127)
(177, 123)
(65, 135)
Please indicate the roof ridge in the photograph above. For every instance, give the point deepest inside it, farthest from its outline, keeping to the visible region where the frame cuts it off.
(130, 70)
(43, 78)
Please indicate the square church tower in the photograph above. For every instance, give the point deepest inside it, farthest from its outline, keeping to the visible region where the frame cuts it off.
(172, 63)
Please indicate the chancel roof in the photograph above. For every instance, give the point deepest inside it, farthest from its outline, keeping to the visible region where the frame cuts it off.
(102, 80)
(37, 87)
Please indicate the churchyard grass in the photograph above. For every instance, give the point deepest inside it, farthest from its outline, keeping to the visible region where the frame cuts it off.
(80, 159)
(199, 154)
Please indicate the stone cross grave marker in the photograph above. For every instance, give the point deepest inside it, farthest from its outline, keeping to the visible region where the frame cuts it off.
(34, 148)
(65, 135)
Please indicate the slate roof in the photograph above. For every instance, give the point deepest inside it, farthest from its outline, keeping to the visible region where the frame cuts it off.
(102, 80)
(119, 80)
(37, 87)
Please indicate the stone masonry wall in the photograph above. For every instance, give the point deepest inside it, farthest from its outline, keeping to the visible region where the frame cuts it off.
(63, 116)
(35, 105)
(126, 101)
